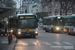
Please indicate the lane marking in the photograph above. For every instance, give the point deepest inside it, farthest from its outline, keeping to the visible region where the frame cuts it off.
(4, 42)
(35, 43)
(57, 43)
(47, 43)
(68, 43)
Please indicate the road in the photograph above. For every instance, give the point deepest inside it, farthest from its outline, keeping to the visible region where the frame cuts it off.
(4, 43)
(47, 41)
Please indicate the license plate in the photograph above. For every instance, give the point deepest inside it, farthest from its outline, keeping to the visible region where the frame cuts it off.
(27, 34)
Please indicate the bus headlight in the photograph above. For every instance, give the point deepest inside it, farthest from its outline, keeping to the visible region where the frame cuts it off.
(36, 32)
(57, 28)
(11, 30)
(19, 33)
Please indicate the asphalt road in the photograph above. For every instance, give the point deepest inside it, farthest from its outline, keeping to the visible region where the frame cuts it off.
(47, 41)
(4, 43)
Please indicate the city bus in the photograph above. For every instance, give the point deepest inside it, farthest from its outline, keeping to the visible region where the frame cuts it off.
(56, 24)
(25, 25)
(69, 26)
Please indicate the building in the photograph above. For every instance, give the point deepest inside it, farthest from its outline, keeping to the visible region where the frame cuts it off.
(54, 8)
(25, 4)
(34, 8)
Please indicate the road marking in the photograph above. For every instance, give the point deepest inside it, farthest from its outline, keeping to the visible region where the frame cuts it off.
(35, 43)
(4, 42)
(68, 43)
(57, 43)
(22, 44)
(47, 43)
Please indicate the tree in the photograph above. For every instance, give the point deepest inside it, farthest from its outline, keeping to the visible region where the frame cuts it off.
(66, 5)
(41, 14)
(45, 2)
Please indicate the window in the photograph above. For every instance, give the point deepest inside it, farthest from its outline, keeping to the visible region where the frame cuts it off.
(36, 9)
(56, 0)
(56, 5)
(56, 10)
(31, 10)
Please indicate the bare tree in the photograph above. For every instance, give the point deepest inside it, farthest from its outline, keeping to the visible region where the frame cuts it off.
(66, 5)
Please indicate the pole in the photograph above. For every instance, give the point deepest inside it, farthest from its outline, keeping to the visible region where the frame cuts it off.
(20, 6)
(61, 7)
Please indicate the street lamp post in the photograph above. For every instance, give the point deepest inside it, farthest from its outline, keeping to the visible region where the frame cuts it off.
(20, 5)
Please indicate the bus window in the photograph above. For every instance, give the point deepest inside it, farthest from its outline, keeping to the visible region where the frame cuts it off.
(68, 22)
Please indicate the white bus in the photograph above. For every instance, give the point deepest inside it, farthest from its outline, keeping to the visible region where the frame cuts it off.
(24, 25)
(56, 24)
(69, 26)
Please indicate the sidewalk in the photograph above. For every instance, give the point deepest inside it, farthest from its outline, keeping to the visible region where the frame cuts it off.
(4, 43)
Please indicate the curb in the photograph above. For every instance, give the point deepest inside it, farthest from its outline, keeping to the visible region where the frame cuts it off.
(12, 45)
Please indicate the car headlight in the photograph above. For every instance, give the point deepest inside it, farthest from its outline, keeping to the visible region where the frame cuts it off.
(36, 32)
(19, 33)
(57, 28)
(11, 30)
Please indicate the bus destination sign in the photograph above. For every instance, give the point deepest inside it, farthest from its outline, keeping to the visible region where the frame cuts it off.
(26, 17)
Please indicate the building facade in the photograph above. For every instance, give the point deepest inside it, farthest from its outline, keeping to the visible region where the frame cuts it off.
(54, 8)
(34, 8)
(26, 3)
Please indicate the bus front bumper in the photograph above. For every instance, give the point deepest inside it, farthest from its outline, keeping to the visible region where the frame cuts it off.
(60, 30)
(27, 34)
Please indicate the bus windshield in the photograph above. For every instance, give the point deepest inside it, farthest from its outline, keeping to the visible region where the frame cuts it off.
(27, 23)
(59, 22)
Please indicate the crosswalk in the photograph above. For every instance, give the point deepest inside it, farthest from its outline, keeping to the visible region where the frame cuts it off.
(64, 43)
(5, 41)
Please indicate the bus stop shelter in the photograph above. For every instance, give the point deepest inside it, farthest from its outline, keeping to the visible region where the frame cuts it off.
(4, 9)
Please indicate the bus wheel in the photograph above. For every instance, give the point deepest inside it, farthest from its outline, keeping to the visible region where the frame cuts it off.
(46, 31)
(3, 34)
(69, 33)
